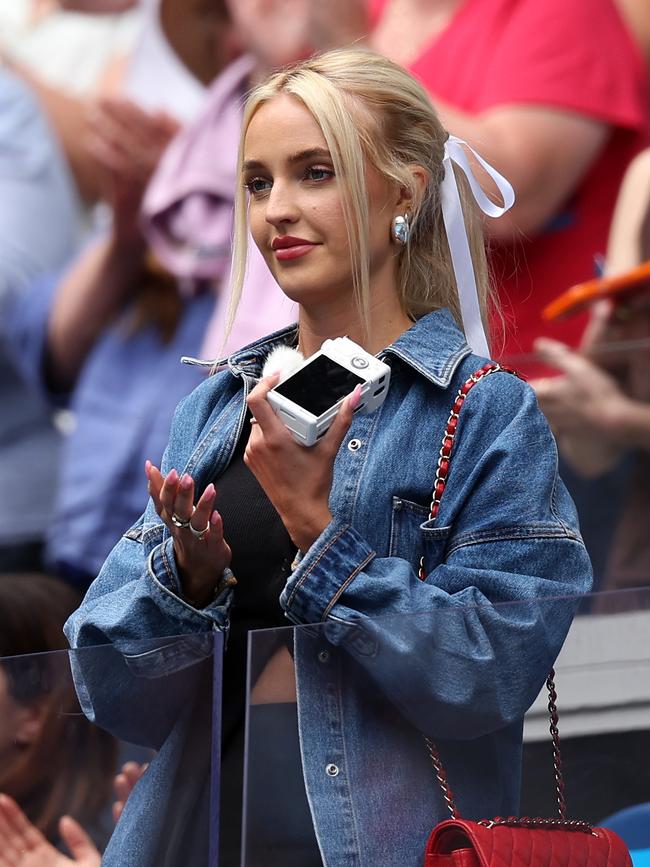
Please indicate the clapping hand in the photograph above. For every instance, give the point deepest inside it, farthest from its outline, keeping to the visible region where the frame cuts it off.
(127, 142)
(200, 549)
(23, 845)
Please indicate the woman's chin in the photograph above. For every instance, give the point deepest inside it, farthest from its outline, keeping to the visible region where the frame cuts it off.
(310, 298)
(308, 290)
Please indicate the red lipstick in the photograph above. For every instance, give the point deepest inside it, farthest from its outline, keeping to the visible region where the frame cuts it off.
(289, 247)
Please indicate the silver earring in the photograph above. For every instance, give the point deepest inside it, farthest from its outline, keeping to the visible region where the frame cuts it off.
(401, 230)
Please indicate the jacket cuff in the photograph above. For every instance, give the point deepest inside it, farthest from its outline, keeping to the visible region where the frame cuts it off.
(167, 589)
(325, 572)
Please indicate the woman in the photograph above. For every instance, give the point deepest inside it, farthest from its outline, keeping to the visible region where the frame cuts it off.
(334, 150)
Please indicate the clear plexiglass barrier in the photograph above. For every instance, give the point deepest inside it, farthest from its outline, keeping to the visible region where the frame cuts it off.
(126, 742)
(607, 473)
(324, 749)
(342, 715)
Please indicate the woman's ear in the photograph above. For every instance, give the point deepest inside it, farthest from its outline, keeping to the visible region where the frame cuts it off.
(411, 196)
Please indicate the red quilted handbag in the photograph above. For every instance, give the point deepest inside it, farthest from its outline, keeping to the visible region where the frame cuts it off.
(460, 843)
(513, 841)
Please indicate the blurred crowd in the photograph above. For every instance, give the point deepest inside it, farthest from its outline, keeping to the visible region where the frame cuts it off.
(118, 128)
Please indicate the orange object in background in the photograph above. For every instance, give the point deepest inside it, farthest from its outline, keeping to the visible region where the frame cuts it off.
(575, 299)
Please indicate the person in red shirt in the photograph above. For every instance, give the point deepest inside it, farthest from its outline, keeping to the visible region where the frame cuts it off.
(553, 94)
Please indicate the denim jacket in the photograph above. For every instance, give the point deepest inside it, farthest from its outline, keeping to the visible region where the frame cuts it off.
(446, 659)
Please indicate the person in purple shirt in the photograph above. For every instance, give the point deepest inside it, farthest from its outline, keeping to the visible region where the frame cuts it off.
(107, 337)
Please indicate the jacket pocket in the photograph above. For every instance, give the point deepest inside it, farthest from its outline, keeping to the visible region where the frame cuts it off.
(405, 534)
(434, 544)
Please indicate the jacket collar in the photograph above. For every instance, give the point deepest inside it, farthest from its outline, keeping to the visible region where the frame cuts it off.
(433, 346)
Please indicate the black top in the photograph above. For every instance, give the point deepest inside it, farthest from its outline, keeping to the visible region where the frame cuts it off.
(262, 553)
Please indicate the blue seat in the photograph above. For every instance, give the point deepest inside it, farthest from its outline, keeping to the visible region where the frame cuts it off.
(631, 824)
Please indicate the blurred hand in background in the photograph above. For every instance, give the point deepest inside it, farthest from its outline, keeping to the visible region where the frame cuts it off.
(126, 142)
(23, 845)
(597, 406)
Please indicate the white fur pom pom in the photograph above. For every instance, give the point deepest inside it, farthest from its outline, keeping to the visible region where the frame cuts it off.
(283, 359)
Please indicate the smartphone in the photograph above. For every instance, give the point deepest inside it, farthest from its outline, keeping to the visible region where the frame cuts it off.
(617, 289)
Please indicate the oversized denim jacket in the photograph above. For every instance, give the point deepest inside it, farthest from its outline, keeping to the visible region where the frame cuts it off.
(452, 663)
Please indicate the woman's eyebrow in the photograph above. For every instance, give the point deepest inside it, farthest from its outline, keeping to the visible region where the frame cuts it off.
(253, 166)
(309, 154)
(298, 157)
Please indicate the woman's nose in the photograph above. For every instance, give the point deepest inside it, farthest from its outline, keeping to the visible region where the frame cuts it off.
(281, 206)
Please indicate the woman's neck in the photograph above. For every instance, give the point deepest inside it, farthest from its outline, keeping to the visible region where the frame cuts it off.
(387, 321)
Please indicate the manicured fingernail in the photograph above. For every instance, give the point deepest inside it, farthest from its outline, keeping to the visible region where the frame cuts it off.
(214, 518)
(186, 482)
(209, 491)
(172, 477)
(147, 467)
(355, 397)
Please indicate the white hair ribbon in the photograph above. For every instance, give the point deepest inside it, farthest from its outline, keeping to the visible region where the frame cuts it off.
(452, 214)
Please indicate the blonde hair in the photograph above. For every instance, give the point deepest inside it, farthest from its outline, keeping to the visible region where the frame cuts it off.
(371, 111)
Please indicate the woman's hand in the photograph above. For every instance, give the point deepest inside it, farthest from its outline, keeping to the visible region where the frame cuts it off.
(23, 845)
(199, 547)
(297, 480)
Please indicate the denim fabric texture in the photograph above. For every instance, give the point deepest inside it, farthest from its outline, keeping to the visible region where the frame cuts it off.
(446, 659)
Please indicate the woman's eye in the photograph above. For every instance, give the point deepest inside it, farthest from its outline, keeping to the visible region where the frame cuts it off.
(318, 173)
(256, 186)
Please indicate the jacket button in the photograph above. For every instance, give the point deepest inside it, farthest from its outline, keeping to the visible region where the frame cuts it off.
(332, 771)
(354, 445)
(323, 656)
